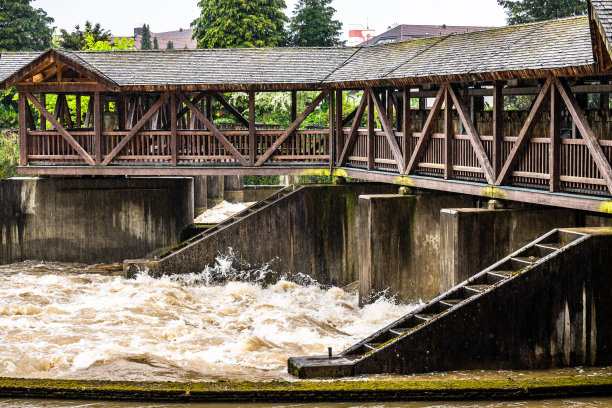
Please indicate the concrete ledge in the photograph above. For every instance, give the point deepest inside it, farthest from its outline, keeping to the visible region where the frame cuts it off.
(336, 391)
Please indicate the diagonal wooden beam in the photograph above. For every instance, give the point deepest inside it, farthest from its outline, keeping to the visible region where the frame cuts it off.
(426, 132)
(526, 131)
(292, 128)
(231, 109)
(216, 132)
(352, 137)
(481, 154)
(603, 165)
(75, 145)
(349, 117)
(194, 101)
(389, 132)
(162, 99)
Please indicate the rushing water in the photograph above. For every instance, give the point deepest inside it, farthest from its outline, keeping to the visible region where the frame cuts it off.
(69, 321)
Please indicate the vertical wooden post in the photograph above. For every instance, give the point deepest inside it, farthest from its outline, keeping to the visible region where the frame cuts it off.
(173, 130)
(339, 130)
(448, 135)
(554, 150)
(498, 137)
(390, 106)
(331, 146)
(23, 130)
(122, 111)
(406, 125)
(43, 120)
(209, 107)
(371, 136)
(293, 106)
(98, 119)
(78, 111)
(252, 130)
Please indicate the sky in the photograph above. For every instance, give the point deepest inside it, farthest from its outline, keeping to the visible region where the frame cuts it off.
(121, 16)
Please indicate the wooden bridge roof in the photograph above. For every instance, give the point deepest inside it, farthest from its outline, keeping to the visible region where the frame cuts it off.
(563, 47)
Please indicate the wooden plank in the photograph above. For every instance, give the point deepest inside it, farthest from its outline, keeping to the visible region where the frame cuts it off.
(498, 129)
(338, 144)
(601, 161)
(252, 129)
(23, 130)
(209, 115)
(98, 118)
(371, 152)
(293, 106)
(78, 111)
(332, 116)
(196, 99)
(426, 132)
(218, 135)
(448, 135)
(406, 124)
(67, 136)
(64, 87)
(162, 99)
(350, 117)
(43, 121)
(90, 107)
(525, 133)
(352, 136)
(554, 150)
(470, 129)
(173, 130)
(231, 109)
(30, 117)
(296, 123)
(389, 132)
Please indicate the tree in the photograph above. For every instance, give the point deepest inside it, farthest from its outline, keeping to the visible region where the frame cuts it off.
(155, 43)
(120, 44)
(170, 45)
(240, 23)
(24, 28)
(76, 39)
(145, 40)
(527, 11)
(313, 25)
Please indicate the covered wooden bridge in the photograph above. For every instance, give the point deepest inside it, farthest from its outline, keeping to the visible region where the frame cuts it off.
(519, 113)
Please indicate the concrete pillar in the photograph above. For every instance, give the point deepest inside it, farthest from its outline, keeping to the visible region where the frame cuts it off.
(199, 195)
(472, 239)
(233, 183)
(400, 244)
(214, 189)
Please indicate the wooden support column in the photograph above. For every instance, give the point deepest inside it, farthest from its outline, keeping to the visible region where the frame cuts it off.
(173, 131)
(97, 120)
(448, 135)
(339, 127)
(23, 130)
(209, 107)
(604, 99)
(554, 150)
(78, 111)
(371, 136)
(331, 146)
(293, 106)
(43, 120)
(252, 130)
(122, 111)
(406, 125)
(498, 137)
(389, 104)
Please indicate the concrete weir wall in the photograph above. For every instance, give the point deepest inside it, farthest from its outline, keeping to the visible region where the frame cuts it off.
(313, 231)
(91, 220)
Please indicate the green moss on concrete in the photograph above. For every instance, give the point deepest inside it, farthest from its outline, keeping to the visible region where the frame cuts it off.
(322, 390)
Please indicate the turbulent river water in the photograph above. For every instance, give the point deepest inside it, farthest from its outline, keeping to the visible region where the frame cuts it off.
(68, 321)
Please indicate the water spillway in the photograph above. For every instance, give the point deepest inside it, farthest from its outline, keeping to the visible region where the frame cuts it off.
(69, 321)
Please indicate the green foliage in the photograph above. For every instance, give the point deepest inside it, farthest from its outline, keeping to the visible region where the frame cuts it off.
(527, 11)
(76, 40)
(9, 153)
(313, 25)
(155, 43)
(24, 28)
(261, 180)
(145, 41)
(518, 102)
(8, 109)
(170, 45)
(240, 23)
(119, 44)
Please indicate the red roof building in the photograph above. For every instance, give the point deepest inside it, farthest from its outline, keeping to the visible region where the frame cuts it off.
(181, 38)
(405, 32)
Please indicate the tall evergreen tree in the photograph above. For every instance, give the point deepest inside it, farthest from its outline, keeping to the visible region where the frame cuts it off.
(240, 23)
(145, 40)
(527, 11)
(313, 24)
(76, 39)
(155, 43)
(170, 45)
(24, 28)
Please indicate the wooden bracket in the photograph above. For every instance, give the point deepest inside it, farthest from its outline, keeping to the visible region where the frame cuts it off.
(389, 133)
(352, 137)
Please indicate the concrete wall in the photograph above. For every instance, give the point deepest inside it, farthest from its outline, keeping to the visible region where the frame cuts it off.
(400, 244)
(214, 189)
(313, 231)
(91, 220)
(473, 238)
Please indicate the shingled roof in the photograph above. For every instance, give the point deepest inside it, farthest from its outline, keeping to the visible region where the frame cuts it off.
(562, 47)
